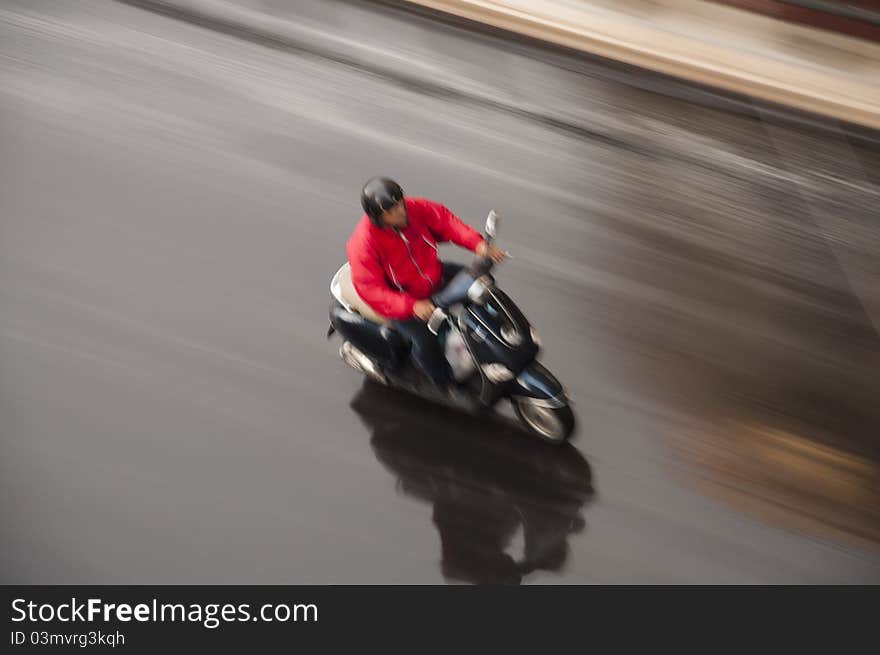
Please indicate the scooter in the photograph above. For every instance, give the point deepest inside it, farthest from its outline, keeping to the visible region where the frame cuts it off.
(489, 344)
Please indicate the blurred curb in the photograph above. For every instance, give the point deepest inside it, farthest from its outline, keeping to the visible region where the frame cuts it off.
(792, 67)
(860, 18)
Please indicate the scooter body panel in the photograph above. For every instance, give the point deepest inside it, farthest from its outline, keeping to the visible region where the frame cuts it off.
(381, 342)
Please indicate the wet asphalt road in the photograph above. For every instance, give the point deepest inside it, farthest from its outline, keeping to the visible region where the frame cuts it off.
(174, 200)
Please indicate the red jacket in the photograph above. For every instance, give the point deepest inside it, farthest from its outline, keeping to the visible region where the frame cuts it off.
(391, 270)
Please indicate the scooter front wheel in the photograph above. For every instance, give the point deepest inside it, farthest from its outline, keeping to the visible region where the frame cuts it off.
(552, 424)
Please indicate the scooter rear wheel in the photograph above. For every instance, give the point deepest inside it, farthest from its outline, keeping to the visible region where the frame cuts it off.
(551, 424)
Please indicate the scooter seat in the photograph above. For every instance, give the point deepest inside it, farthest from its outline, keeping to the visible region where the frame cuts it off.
(349, 296)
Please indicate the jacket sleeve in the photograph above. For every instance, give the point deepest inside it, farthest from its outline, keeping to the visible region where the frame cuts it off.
(371, 284)
(446, 226)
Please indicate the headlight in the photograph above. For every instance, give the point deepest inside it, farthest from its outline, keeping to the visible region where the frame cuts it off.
(535, 338)
(497, 372)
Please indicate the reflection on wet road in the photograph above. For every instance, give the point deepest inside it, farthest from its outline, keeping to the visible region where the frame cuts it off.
(487, 482)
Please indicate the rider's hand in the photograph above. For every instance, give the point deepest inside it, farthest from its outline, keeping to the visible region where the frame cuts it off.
(491, 251)
(423, 309)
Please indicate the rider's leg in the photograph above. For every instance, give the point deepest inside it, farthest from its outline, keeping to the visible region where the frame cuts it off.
(426, 351)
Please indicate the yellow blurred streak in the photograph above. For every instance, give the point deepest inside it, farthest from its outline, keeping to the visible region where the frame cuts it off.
(788, 479)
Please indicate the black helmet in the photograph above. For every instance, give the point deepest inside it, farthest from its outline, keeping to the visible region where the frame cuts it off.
(378, 195)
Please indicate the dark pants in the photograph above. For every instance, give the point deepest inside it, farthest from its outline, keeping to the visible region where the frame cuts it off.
(425, 349)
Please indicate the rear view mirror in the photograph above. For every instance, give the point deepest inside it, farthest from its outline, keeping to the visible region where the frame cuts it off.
(492, 224)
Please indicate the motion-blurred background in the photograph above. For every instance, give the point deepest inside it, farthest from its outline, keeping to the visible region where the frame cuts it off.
(177, 182)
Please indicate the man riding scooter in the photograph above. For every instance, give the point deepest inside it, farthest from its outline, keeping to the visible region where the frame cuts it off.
(395, 265)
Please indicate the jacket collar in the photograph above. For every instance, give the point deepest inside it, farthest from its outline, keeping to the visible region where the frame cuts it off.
(377, 231)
